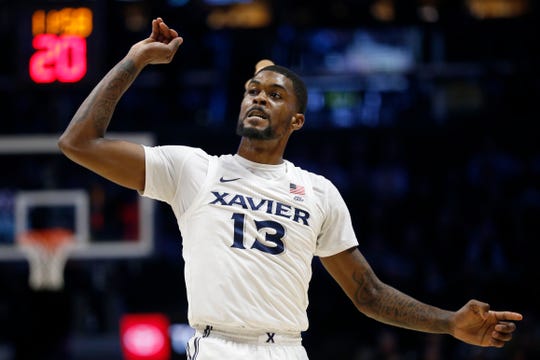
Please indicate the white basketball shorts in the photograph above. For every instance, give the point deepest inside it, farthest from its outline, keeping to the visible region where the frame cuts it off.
(212, 344)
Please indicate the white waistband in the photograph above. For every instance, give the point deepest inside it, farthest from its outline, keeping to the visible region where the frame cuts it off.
(247, 337)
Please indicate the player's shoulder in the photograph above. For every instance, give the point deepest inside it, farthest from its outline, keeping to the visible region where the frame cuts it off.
(173, 152)
(179, 149)
(318, 182)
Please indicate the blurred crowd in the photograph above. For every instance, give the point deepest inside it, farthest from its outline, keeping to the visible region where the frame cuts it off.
(444, 217)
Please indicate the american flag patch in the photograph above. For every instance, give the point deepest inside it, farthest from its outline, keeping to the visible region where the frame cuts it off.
(297, 189)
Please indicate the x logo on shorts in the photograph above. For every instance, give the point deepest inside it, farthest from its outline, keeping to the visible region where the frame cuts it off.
(270, 337)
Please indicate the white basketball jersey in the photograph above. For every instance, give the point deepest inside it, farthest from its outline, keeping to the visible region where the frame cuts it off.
(248, 241)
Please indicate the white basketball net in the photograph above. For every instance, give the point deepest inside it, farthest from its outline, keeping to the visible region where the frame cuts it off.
(47, 252)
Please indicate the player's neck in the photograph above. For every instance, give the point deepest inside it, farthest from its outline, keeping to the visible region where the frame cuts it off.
(262, 151)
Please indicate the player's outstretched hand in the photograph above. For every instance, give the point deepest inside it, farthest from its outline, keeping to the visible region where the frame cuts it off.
(160, 47)
(476, 324)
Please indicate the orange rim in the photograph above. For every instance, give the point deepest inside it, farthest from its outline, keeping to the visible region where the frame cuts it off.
(50, 239)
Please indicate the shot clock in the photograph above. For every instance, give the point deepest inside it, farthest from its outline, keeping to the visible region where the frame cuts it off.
(59, 42)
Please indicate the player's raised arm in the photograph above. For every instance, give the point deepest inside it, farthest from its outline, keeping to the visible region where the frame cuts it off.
(84, 139)
(474, 323)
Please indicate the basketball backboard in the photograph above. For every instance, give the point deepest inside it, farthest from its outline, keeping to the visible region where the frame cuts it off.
(42, 188)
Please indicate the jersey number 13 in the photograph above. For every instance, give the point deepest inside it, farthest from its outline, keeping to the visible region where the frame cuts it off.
(274, 237)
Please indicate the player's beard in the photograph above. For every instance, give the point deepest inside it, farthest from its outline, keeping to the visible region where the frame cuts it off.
(252, 133)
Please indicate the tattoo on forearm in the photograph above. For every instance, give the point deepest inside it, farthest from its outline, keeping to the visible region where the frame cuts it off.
(102, 116)
(391, 306)
(100, 105)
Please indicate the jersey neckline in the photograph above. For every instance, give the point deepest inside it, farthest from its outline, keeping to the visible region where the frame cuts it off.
(264, 171)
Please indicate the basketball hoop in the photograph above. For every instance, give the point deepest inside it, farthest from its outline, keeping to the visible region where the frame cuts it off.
(47, 251)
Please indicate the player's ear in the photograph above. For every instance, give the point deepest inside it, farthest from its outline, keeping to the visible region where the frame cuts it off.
(297, 121)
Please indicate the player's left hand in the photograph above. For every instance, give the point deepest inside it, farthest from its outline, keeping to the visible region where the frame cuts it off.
(476, 324)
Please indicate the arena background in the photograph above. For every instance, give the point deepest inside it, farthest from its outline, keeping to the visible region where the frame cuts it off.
(423, 113)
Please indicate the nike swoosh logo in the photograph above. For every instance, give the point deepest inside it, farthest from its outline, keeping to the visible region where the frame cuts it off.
(221, 179)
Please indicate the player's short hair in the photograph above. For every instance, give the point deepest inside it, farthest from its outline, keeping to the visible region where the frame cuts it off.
(299, 86)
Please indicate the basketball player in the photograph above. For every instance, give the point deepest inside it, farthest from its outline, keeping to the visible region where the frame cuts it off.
(251, 222)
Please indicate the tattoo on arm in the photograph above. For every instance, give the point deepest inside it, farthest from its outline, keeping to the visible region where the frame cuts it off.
(101, 103)
(388, 305)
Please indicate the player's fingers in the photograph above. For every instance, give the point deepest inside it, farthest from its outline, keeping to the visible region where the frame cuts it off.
(164, 29)
(164, 36)
(501, 336)
(155, 29)
(167, 51)
(505, 327)
(508, 315)
(173, 33)
(175, 44)
(496, 343)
